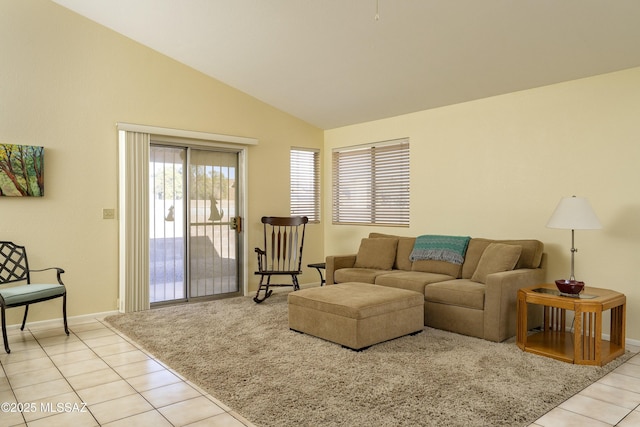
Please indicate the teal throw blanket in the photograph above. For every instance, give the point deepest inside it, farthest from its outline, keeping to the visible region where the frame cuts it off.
(440, 248)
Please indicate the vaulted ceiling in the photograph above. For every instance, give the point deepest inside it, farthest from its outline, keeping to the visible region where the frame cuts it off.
(339, 62)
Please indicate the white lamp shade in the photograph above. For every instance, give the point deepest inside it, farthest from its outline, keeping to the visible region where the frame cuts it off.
(574, 213)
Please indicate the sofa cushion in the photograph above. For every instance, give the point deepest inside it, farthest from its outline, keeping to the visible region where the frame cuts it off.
(378, 254)
(496, 257)
(362, 275)
(374, 235)
(460, 292)
(405, 246)
(411, 280)
(531, 255)
(437, 267)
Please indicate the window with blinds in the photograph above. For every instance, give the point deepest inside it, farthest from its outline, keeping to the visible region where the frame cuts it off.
(305, 183)
(371, 184)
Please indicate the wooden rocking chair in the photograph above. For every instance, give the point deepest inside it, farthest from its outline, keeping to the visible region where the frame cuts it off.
(282, 253)
(14, 267)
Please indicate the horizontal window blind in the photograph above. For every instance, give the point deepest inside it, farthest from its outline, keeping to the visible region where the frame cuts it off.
(371, 184)
(305, 183)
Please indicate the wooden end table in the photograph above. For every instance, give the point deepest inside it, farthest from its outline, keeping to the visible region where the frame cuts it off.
(583, 346)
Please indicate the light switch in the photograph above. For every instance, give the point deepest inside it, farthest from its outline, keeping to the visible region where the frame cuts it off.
(108, 213)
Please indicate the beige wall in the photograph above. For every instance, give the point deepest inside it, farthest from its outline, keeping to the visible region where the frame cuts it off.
(492, 168)
(64, 83)
(497, 168)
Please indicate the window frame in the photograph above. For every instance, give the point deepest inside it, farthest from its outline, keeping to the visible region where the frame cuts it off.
(379, 174)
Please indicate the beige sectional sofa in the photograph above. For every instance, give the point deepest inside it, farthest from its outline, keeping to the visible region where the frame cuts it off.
(476, 298)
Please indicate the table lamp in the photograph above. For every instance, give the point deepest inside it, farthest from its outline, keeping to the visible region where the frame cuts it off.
(573, 213)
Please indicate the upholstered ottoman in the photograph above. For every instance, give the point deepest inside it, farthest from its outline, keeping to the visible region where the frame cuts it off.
(356, 315)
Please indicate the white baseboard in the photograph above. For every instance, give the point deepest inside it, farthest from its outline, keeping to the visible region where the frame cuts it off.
(56, 322)
(635, 343)
(628, 341)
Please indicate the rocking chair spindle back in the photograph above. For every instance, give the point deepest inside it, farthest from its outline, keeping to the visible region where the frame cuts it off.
(282, 253)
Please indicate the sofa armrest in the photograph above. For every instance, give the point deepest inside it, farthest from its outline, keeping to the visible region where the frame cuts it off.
(336, 262)
(501, 296)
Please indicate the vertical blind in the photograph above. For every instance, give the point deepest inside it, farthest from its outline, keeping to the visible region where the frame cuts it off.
(371, 184)
(134, 228)
(305, 183)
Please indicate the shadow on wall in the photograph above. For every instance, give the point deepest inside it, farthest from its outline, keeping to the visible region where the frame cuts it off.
(558, 260)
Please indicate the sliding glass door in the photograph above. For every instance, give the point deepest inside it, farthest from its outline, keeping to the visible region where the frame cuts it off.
(213, 245)
(194, 251)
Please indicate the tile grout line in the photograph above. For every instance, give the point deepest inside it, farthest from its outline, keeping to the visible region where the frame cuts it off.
(151, 357)
(203, 393)
(63, 375)
(637, 408)
(116, 372)
(629, 411)
(75, 391)
(13, 391)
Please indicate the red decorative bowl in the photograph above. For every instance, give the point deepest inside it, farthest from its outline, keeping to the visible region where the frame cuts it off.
(571, 287)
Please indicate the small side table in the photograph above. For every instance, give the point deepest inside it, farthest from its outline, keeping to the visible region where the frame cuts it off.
(583, 346)
(319, 266)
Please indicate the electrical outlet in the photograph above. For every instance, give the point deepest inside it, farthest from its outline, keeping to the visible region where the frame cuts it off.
(108, 213)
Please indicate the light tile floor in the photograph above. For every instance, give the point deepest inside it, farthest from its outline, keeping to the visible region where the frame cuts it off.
(614, 400)
(96, 377)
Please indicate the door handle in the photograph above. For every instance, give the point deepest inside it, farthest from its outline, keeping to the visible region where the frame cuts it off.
(236, 224)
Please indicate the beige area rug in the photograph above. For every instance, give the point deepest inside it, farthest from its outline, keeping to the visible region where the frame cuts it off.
(244, 354)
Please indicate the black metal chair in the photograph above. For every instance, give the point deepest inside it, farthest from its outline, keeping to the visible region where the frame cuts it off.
(282, 253)
(14, 268)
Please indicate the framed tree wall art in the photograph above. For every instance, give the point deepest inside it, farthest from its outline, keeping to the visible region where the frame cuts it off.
(21, 170)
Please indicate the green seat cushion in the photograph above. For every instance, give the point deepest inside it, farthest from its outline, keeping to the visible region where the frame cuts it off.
(17, 295)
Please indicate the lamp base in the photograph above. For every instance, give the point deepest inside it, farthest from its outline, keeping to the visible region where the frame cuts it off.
(569, 287)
